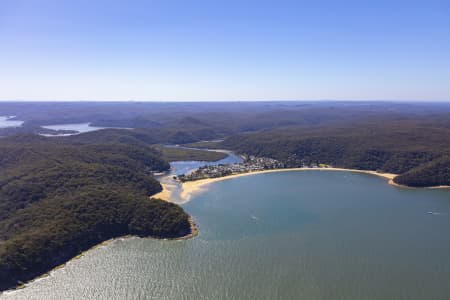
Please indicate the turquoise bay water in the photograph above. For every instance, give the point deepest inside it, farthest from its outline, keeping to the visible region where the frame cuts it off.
(288, 235)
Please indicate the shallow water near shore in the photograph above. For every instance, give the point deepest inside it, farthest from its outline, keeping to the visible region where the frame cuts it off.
(185, 167)
(291, 235)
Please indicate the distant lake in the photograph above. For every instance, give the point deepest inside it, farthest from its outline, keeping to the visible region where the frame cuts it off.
(5, 122)
(288, 235)
(78, 127)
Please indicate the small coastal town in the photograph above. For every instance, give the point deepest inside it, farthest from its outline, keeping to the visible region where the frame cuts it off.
(250, 164)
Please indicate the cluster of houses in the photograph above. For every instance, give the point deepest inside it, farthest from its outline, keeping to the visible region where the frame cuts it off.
(250, 164)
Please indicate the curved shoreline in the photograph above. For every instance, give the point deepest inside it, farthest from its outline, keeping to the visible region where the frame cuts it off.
(190, 188)
(165, 194)
(391, 182)
(193, 233)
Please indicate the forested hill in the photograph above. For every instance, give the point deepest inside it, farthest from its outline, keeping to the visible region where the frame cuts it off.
(434, 173)
(418, 150)
(59, 198)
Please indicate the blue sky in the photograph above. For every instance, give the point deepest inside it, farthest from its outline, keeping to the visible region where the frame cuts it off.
(224, 50)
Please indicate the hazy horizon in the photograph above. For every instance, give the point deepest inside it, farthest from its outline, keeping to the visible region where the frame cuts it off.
(231, 101)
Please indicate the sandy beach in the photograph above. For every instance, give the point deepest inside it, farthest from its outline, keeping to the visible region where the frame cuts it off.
(190, 188)
(166, 192)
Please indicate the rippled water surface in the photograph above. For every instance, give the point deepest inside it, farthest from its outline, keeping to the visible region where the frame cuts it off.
(292, 235)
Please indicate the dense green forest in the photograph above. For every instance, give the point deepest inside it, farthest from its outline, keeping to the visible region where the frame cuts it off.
(434, 173)
(416, 149)
(59, 198)
(179, 154)
(177, 123)
(142, 136)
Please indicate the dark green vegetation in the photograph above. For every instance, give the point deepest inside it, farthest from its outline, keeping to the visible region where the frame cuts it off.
(59, 198)
(418, 150)
(179, 123)
(180, 154)
(434, 173)
(385, 136)
(206, 144)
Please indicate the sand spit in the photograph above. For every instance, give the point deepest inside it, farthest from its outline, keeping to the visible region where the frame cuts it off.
(166, 192)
